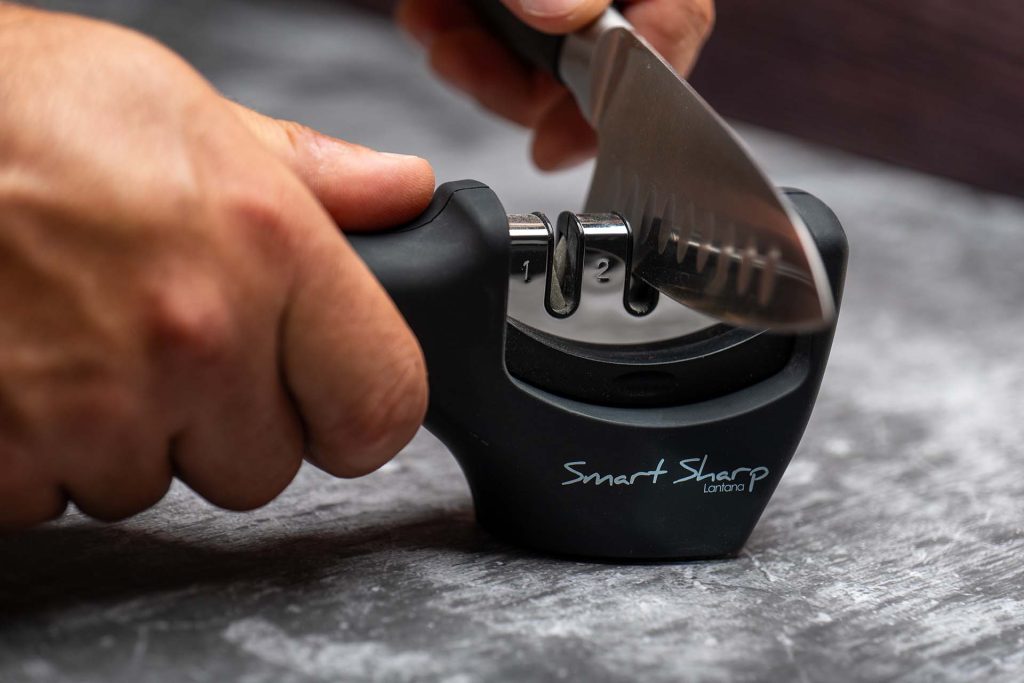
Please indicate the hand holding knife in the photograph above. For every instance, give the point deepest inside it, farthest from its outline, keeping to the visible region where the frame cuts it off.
(709, 230)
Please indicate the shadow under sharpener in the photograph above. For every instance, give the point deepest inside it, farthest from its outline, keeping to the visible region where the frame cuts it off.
(663, 451)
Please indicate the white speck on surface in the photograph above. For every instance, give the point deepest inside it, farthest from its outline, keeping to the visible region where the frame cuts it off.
(35, 669)
(838, 446)
(320, 656)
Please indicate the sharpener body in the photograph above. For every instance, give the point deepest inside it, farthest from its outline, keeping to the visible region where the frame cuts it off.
(666, 452)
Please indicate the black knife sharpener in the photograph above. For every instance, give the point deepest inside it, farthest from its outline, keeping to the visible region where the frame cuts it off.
(658, 451)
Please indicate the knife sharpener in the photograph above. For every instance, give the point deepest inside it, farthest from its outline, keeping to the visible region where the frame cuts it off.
(668, 446)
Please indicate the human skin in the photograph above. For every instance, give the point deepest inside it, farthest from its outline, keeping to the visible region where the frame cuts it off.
(464, 53)
(176, 294)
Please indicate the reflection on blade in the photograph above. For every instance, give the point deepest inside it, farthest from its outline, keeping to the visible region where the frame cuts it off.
(709, 230)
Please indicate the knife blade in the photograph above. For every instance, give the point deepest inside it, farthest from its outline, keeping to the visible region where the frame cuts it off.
(709, 229)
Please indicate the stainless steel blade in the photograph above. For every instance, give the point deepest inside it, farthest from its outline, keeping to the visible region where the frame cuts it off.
(709, 229)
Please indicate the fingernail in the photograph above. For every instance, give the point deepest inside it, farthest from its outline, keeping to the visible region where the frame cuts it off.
(550, 8)
(408, 164)
(399, 157)
(329, 150)
(404, 159)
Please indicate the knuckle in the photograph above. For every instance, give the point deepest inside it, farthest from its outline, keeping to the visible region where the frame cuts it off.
(249, 499)
(152, 493)
(240, 473)
(26, 497)
(120, 476)
(143, 493)
(107, 407)
(96, 416)
(260, 213)
(254, 493)
(31, 508)
(118, 506)
(192, 320)
(240, 501)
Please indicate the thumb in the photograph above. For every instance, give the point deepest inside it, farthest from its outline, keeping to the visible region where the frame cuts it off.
(361, 188)
(557, 16)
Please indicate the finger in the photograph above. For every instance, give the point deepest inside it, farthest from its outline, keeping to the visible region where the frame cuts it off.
(466, 54)
(360, 187)
(237, 440)
(472, 60)
(352, 364)
(557, 16)
(563, 138)
(28, 495)
(119, 480)
(111, 460)
(677, 29)
(243, 447)
(424, 20)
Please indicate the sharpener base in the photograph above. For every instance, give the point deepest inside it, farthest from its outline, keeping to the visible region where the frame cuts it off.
(668, 451)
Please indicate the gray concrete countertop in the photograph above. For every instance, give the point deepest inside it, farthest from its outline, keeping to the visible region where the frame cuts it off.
(893, 549)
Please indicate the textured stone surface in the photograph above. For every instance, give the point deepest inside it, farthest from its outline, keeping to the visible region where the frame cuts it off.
(894, 548)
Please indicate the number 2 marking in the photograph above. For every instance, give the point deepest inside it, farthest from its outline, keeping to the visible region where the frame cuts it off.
(602, 267)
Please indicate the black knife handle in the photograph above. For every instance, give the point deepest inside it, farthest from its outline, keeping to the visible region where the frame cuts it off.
(541, 50)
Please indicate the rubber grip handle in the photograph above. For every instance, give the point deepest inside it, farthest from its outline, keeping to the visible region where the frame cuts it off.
(542, 50)
(447, 271)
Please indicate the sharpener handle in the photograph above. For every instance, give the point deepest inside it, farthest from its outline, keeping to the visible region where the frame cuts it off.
(447, 272)
(541, 50)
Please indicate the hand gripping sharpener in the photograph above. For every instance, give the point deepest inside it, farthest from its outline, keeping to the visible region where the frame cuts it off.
(591, 420)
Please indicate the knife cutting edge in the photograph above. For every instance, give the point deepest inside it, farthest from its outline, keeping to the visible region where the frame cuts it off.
(709, 230)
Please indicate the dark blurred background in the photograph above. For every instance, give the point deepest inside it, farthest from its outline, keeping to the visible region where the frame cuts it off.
(934, 85)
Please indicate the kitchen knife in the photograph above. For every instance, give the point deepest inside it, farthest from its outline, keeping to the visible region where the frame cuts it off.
(709, 230)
